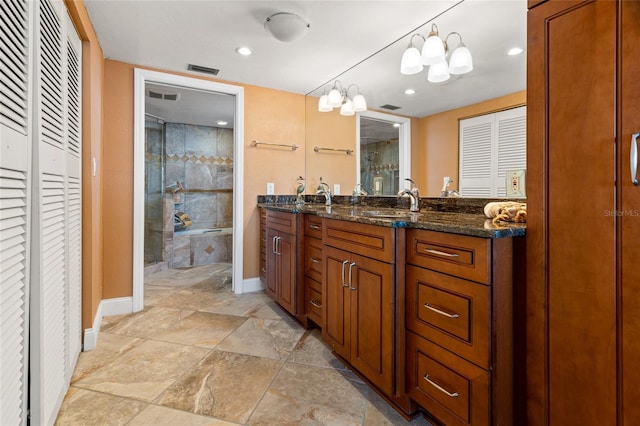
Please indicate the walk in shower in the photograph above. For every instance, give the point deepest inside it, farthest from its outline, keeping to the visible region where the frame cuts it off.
(188, 177)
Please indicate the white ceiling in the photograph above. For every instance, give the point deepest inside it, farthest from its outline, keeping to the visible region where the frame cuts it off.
(343, 41)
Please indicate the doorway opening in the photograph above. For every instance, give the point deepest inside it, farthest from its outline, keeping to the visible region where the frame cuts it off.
(196, 190)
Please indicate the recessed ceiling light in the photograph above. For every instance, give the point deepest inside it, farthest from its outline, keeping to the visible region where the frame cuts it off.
(244, 51)
(409, 92)
(515, 51)
(221, 123)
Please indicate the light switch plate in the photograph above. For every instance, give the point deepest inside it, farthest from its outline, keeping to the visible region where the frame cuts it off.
(271, 188)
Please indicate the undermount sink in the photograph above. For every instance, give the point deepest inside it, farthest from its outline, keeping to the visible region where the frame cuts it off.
(386, 214)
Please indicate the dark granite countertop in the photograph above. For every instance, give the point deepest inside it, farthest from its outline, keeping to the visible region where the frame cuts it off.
(472, 224)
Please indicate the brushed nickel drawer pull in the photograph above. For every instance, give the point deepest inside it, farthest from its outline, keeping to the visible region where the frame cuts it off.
(316, 304)
(263, 270)
(441, 253)
(352, 288)
(344, 284)
(440, 388)
(314, 260)
(633, 157)
(438, 311)
(316, 227)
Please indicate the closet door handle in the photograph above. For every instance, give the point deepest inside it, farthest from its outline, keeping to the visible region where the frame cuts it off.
(351, 287)
(441, 253)
(438, 311)
(633, 158)
(344, 284)
(440, 388)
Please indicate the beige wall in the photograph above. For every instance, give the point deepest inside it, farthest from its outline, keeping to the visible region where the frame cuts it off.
(437, 149)
(329, 130)
(92, 71)
(269, 116)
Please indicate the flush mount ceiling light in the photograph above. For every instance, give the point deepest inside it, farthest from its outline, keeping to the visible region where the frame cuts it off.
(339, 98)
(286, 26)
(434, 54)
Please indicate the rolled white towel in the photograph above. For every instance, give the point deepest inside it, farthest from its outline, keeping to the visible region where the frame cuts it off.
(506, 211)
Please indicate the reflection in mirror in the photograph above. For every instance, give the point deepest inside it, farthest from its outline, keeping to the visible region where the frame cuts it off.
(497, 82)
(383, 152)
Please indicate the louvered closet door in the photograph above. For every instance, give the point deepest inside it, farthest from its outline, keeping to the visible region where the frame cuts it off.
(55, 263)
(74, 200)
(477, 163)
(490, 145)
(14, 214)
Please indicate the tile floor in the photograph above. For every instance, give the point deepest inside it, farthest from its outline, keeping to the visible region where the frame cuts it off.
(200, 355)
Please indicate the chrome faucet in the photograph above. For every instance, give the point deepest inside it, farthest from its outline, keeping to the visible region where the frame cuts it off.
(446, 192)
(323, 189)
(412, 193)
(359, 192)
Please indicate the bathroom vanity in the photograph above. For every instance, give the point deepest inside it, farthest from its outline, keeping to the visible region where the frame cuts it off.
(419, 305)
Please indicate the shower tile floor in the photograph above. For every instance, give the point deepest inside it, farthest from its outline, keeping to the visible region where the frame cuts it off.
(200, 355)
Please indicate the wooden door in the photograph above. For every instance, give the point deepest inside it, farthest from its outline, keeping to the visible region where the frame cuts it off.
(629, 220)
(335, 300)
(371, 288)
(571, 226)
(272, 264)
(286, 286)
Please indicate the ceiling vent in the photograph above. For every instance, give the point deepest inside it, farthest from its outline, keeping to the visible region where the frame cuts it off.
(200, 68)
(390, 107)
(164, 96)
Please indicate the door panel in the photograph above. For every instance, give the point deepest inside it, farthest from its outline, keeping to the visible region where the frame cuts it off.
(629, 232)
(372, 329)
(335, 299)
(287, 278)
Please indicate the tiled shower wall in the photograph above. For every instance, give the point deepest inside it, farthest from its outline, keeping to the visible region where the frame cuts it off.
(201, 158)
(154, 191)
(385, 164)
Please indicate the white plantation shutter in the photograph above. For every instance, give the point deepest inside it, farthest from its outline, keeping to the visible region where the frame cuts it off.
(15, 183)
(490, 145)
(56, 223)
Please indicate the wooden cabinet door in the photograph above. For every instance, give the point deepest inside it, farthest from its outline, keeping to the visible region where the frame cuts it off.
(629, 241)
(371, 299)
(336, 330)
(286, 287)
(571, 225)
(272, 264)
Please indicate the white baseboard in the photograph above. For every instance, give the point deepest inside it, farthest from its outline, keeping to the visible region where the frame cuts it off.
(107, 307)
(251, 285)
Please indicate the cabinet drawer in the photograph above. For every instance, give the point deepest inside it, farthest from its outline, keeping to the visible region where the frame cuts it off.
(452, 312)
(282, 221)
(313, 300)
(453, 390)
(313, 226)
(459, 255)
(376, 242)
(313, 258)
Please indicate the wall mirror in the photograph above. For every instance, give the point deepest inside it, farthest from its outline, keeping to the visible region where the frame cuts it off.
(498, 81)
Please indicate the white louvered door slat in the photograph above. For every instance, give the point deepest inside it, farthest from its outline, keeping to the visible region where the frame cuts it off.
(490, 145)
(475, 156)
(15, 186)
(74, 199)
